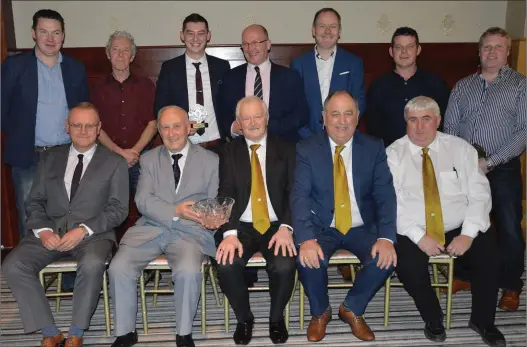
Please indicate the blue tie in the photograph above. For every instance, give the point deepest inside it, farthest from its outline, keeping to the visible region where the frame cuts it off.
(175, 168)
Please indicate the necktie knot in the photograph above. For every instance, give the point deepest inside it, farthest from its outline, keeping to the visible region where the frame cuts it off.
(425, 150)
(176, 158)
(257, 69)
(196, 65)
(80, 156)
(339, 149)
(254, 148)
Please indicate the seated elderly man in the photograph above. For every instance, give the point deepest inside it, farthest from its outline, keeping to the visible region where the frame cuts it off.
(443, 206)
(257, 171)
(80, 194)
(173, 177)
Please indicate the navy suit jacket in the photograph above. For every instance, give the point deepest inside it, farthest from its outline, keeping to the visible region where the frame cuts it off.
(20, 98)
(312, 196)
(171, 86)
(287, 101)
(348, 74)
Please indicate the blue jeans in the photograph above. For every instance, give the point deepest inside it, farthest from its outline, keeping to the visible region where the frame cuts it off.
(22, 182)
(368, 281)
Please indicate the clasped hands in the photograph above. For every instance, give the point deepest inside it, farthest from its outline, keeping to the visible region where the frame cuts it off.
(54, 242)
(281, 240)
(311, 254)
(185, 211)
(131, 156)
(459, 245)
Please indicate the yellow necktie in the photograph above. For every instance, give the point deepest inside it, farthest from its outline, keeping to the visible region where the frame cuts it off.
(342, 196)
(258, 197)
(433, 213)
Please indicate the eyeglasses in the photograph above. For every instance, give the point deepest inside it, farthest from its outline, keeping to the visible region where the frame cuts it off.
(87, 127)
(246, 45)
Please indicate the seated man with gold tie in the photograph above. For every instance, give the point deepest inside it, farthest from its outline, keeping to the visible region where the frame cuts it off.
(443, 206)
(257, 171)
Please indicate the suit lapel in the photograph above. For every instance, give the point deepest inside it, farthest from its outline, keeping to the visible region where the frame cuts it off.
(213, 76)
(188, 171)
(62, 162)
(326, 161)
(165, 163)
(336, 78)
(273, 163)
(243, 166)
(181, 70)
(312, 78)
(274, 86)
(357, 158)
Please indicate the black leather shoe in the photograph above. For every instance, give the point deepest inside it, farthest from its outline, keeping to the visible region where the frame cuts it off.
(243, 333)
(127, 340)
(491, 335)
(278, 331)
(435, 331)
(185, 341)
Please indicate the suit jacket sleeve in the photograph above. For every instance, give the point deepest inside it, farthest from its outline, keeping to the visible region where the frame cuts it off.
(162, 97)
(357, 86)
(8, 84)
(115, 210)
(384, 196)
(227, 186)
(37, 200)
(300, 198)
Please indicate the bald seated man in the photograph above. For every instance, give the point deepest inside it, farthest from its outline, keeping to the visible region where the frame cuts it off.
(80, 194)
(168, 187)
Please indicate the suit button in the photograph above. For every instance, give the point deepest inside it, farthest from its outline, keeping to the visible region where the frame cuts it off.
(320, 121)
(69, 212)
(332, 211)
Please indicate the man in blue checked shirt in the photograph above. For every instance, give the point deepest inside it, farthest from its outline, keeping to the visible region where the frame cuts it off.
(488, 110)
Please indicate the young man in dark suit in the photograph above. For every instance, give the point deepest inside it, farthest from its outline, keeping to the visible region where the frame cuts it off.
(257, 171)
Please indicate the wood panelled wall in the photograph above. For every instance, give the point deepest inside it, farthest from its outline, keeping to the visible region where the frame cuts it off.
(452, 61)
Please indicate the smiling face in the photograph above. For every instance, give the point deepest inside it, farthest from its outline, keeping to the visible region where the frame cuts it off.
(174, 128)
(84, 126)
(326, 30)
(341, 117)
(195, 36)
(494, 52)
(255, 45)
(48, 36)
(121, 54)
(253, 118)
(421, 126)
(404, 51)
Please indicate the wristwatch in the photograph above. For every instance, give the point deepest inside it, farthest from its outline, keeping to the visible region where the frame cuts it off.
(490, 166)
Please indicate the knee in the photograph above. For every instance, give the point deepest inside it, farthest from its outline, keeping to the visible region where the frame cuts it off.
(238, 265)
(91, 266)
(12, 267)
(283, 266)
(120, 267)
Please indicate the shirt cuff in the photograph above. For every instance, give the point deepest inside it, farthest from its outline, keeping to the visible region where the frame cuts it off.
(469, 229)
(38, 231)
(415, 234)
(175, 219)
(384, 238)
(90, 232)
(230, 232)
(287, 226)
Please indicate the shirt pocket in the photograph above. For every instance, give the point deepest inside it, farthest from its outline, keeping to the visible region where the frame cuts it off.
(449, 183)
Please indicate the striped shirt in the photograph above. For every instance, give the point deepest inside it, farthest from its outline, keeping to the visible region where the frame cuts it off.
(491, 115)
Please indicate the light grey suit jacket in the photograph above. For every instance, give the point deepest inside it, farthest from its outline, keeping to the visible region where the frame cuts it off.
(156, 197)
(101, 200)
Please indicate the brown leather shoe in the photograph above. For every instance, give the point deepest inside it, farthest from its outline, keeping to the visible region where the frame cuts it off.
(457, 286)
(358, 325)
(345, 272)
(52, 341)
(317, 327)
(510, 300)
(73, 341)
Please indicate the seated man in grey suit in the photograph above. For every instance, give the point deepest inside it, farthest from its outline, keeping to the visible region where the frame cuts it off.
(80, 194)
(173, 177)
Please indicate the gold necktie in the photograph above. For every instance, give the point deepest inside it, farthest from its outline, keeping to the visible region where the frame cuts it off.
(342, 196)
(433, 213)
(258, 197)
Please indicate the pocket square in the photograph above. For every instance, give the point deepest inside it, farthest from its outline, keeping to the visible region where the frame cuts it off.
(344, 73)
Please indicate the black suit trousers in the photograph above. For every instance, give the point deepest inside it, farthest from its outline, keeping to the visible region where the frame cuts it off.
(280, 269)
(482, 264)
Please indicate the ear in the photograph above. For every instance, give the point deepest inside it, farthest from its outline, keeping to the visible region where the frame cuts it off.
(132, 58)
(33, 34)
(313, 31)
(418, 50)
(208, 36)
(268, 45)
(390, 50)
(181, 37)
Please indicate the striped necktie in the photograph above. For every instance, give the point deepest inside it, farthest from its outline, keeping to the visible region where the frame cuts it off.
(258, 83)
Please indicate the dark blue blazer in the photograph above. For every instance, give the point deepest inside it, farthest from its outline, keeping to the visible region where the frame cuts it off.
(287, 101)
(348, 74)
(20, 98)
(312, 196)
(171, 86)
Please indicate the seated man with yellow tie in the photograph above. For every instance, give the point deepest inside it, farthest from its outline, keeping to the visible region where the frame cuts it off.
(343, 198)
(443, 207)
(257, 171)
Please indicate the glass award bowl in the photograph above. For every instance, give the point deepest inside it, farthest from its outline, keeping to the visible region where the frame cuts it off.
(214, 211)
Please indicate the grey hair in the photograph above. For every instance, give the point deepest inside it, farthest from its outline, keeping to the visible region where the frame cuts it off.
(119, 34)
(248, 99)
(421, 103)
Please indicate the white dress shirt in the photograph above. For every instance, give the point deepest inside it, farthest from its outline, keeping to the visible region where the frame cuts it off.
(464, 190)
(325, 71)
(247, 215)
(73, 160)
(211, 132)
(181, 163)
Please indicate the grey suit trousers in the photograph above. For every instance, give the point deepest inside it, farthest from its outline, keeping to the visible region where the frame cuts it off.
(184, 257)
(21, 268)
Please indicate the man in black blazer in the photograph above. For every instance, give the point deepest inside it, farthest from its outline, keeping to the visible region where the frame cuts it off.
(281, 89)
(192, 79)
(257, 171)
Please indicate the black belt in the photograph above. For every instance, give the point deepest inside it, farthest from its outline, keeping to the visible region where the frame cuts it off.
(40, 149)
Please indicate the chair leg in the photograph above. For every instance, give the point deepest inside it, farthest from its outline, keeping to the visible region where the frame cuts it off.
(59, 290)
(353, 274)
(449, 292)
(156, 286)
(288, 306)
(226, 312)
(301, 308)
(203, 300)
(387, 289)
(436, 280)
(41, 278)
(106, 303)
(143, 302)
(212, 277)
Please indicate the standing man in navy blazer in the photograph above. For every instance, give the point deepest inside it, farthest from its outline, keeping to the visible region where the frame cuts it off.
(343, 198)
(38, 90)
(326, 69)
(193, 78)
(278, 86)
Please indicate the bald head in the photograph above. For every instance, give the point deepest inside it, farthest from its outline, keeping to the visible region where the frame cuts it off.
(174, 127)
(83, 125)
(255, 44)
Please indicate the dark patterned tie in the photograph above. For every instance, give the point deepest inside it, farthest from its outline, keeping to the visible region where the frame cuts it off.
(175, 168)
(199, 85)
(258, 83)
(76, 177)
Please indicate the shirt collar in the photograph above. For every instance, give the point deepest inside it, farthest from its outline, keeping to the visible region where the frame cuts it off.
(331, 56)
(202, 60)
(417, 72)
(59, 59)
(183, 151)
(505, 68)
(87, 155)
(130, 78)
(333, 145)
(414, 149)
(262, 142)
(265, 66)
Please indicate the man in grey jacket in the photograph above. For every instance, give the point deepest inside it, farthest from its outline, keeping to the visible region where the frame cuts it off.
(173, 177)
